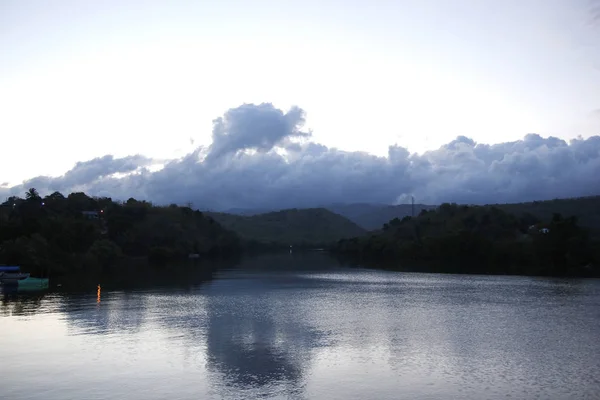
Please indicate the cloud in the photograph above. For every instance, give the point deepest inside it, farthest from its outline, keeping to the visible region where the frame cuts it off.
(254, 127)
(595, 10)
(255, 160)
(97, 172)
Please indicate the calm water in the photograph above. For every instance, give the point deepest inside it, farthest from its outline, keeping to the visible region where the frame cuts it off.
(303, 326)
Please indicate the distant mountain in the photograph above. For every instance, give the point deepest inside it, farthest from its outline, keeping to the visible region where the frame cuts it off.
(370, 216)
(294, 226)
(248, 211)
(373, 216)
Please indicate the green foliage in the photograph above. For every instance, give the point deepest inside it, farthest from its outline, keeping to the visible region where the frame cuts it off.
(79, 231)
(374, 216)
(32, 194)
(305, 227)
(482, 240)
(585, 209)
(32, 250)
(105, 251)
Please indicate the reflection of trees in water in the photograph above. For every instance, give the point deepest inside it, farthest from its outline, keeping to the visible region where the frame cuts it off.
(19, 304)
(127, 297)
(285, 262)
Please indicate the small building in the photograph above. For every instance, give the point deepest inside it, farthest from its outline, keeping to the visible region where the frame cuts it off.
(90, 214)
(538, 229)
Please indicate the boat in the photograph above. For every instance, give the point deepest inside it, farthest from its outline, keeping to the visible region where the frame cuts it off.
(31, 284)
(11, 274)
(12, 280)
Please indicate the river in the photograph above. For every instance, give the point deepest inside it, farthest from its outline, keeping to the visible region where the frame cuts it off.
(303, 326)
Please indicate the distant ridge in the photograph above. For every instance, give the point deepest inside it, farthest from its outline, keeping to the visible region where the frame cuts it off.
(372, 216)
(247, 211)
(369, 216)
(586, 209)
(309, 226)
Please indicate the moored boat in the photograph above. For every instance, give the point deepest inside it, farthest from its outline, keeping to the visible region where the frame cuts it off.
(11, 274)
(32, 284)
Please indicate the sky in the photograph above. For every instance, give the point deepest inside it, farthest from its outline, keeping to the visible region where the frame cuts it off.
(248, 102)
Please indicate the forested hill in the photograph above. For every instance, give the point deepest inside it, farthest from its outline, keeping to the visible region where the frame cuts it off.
(311, 226)
(79, 231)
(586, 209)
(482, 239)
(373, 216)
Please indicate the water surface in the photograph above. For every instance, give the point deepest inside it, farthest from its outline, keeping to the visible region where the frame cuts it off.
(302, 326)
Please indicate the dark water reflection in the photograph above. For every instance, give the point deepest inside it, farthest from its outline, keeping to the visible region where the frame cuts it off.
(302, 326)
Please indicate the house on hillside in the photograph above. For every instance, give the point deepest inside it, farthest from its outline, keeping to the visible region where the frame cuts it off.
(95, 216)
(538, 228)
(90, 214)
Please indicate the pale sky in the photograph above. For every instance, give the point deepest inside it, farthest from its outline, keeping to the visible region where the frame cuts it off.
(82, 79)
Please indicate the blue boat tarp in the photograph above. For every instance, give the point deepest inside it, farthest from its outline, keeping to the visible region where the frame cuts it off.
(10, 268)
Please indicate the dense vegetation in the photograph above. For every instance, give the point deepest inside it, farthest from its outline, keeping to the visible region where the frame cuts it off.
(62, 234)
(481, 239)
(65, 233)
(373, 216)
(585, 209)
(305, 227)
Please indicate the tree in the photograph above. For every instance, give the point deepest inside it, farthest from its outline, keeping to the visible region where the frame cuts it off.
(12, 201)
(53, 232)
(483, 239)
(32, 194)
(79, 201)
(56, 196)
(105, 251)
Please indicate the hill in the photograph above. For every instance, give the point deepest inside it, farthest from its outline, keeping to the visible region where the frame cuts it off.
(482, 239)
(78, 231)
(246, 211)
(585, 209)
(373, 216)
(311, 226)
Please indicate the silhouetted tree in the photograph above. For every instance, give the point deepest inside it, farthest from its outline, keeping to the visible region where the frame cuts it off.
(32, 194)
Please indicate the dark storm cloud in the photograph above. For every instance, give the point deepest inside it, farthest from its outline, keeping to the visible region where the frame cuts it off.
(286, 172)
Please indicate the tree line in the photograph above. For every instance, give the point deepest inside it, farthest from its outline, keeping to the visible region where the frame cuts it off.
(65, 233)
(79, 232)
(479, 239)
